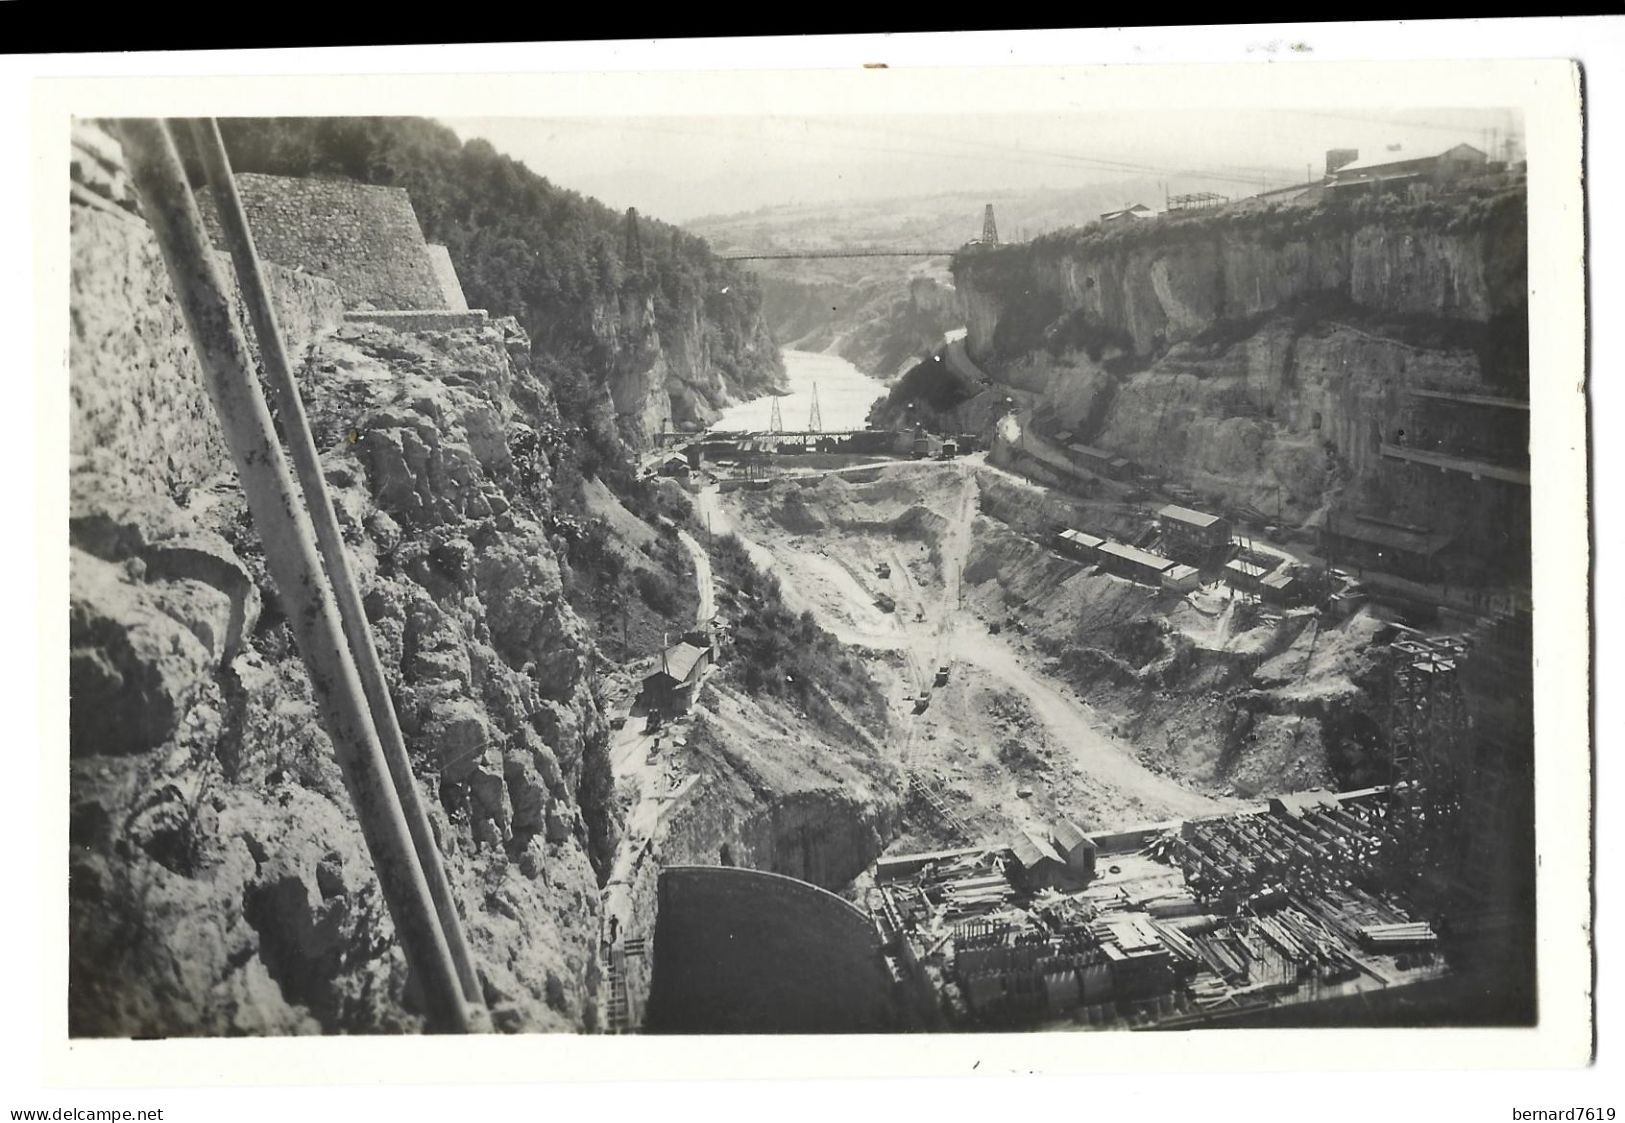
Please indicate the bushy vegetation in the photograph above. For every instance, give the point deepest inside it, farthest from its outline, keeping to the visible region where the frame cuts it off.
(777, 652)
(523, 246)
(527, 248)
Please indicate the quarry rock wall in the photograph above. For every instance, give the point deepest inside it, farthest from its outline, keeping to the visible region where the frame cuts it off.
(745, 951)
(1157, 287)
(1265, 360)
(218, 880)
(823, 835)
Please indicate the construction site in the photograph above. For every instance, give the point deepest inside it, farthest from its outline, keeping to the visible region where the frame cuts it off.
(1136, 802)
(986, 724)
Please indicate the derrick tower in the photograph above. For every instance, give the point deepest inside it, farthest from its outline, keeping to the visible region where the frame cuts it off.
(815, 420)
(990, 229)
(776, 423)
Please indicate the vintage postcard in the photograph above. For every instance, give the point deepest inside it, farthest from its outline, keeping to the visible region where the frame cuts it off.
(946, 560)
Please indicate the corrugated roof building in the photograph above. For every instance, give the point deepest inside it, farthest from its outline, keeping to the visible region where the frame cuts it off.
(1134, 563)
(671, 688)
(1076, 849)
(1439, 168)
(1079, 544)
(1039, 865)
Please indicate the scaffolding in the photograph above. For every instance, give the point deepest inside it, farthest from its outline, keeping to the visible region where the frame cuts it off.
(1428, 748)
(1196, 201)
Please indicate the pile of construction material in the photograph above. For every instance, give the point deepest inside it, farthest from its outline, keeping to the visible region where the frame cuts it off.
(1398, 937)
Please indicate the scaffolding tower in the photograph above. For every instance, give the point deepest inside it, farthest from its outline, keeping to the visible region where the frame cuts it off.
(1196, 201)
(1428, 750)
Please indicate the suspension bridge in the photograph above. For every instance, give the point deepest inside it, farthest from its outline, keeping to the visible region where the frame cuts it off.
(834, 254)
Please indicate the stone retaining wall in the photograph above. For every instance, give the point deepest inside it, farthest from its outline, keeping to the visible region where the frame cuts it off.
(364, 237)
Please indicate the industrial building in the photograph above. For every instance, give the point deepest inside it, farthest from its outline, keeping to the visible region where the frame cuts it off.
(1194, 537)
(676, 467)
(1281, 589)
(1244, 576)
(1369, 541)
(1076, 849)
(1079, 545)
(1379, 173)
(671, 688)
(1134, 563)
(1138, 212)
(1101, 462)
(1182, 578)
(1037, 865)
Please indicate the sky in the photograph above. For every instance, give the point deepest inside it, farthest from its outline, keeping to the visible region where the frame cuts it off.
(682, 167)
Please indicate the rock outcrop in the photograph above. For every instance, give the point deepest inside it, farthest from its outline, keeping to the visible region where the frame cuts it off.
(218, 880)
(683, 370)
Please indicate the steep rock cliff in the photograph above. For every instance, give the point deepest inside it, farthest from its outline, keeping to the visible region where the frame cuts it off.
(1266, 358)
(218, 880)
(680, 368)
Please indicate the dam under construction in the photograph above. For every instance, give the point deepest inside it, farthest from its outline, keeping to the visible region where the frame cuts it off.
(1045, 871)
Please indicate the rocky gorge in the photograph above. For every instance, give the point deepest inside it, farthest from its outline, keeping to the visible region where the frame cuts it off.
(1264, 358)
(218, 881)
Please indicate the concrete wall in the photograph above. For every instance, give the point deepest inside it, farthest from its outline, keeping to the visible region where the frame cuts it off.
(744, 951)
(364, 238)
(415, 320)
(446, 273)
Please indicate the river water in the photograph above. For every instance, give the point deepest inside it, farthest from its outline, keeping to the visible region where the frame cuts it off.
(845, 394)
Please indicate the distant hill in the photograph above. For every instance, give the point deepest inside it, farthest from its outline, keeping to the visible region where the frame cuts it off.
(944, 221)
(881, 313)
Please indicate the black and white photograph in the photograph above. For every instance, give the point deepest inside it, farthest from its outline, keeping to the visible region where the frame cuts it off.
(822, 565)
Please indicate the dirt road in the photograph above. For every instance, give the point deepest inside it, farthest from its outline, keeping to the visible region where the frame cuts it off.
(1079, 733)
(702, 578)
(833, 575)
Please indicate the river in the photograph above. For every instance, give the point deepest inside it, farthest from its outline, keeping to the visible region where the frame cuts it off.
(845, 394)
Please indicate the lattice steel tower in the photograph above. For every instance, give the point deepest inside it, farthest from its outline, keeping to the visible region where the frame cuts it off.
(990, 229)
